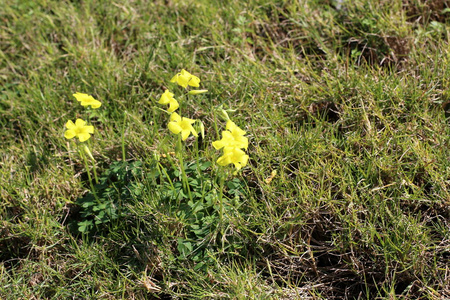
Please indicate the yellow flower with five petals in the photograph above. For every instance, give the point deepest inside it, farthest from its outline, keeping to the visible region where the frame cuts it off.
(181, 125)
(87, 100)
(232, 137)
(78, 129)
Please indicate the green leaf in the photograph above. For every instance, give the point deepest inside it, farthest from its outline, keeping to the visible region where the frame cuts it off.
(205, 165)
(184, 247)
(85, 226)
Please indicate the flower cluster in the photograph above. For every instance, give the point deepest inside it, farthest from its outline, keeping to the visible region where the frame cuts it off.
(79, 129)
(178, 124)
(232, 142)
(184, 78)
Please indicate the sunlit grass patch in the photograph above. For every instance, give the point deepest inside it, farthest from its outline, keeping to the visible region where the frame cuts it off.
(304, 154)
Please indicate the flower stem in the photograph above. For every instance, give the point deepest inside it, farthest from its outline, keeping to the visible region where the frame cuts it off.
(178, 150)
(123, 137)
(221, 185)
(221, 226)
(86, 165)
(94, 168)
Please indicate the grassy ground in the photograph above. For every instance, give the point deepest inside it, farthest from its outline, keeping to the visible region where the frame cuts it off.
(345, 100)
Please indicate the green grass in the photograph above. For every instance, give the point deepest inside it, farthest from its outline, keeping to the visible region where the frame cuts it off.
(345, 101)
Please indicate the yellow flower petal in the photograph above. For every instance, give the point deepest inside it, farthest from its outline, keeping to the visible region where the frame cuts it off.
(70, 124)
(231, 126)
(89, 129)
(173, 105)
(241, 142)
(183, 81)
(166, 97)
(163, 99)
(174, 79)
(223, 161)
(84, 136)
(218, 144)
(79, 123)
(187, 121)
(69, 134)
(244, 160)
(174, 127)
(194, 132)
(175, 117)
(80, 96)
(238, 166)
(95, 104)
(185, 134)
(194, 81)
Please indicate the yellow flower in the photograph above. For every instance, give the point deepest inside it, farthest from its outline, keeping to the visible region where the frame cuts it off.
(231, 140)
(87, 100)
(234, 128)
(232, 137)
(79, 129)
(196, 92)
(167, 98)
(184, 78)
(178, 124)
(233, 156)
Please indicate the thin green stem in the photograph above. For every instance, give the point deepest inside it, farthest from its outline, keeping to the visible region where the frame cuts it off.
(94, 167)
(86, 165)
(221, 185)
(215, 125)
(123, 137)
(179, 152)
(221, 206)
(197, 158)
(88, 117)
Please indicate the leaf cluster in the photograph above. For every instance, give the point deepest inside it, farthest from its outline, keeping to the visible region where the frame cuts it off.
(107, 202)
(198, 207)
